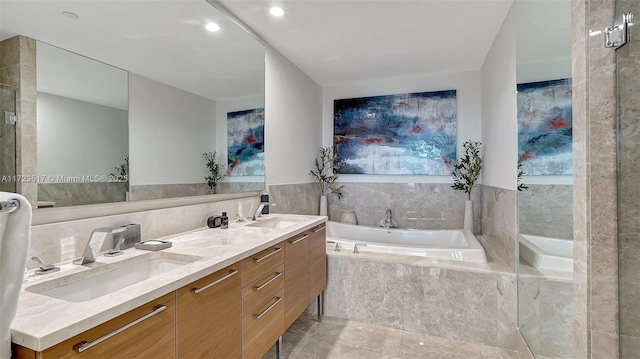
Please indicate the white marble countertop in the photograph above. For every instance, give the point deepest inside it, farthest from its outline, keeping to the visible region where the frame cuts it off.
(42, 322)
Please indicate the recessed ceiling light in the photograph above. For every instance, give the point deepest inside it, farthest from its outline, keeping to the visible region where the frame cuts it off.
(70, 15)
(277, 11)
(212, 26)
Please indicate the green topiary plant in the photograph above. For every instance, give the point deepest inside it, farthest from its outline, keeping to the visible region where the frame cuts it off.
(521, 185)
(326, 171)
(215, 168)
(466, 170)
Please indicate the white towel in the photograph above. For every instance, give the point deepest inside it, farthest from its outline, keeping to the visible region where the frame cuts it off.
(15, 233)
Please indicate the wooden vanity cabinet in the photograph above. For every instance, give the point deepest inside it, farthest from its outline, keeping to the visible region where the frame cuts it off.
(296, 276)
(237, 312)
(305, 268)
(145, 332)
(262, 301)
(209, 316)
(317, 261)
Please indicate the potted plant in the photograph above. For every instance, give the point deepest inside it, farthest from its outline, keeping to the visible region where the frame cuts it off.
(215, 168)
(466, 172)
(326, 173)
(122, 175)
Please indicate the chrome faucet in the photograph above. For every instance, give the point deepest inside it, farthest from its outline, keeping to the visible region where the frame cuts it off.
(95, 242)
(258, 212)
(388, 221)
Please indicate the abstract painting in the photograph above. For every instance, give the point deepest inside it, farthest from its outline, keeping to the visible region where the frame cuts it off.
(406, 134)
(544, 128)
(245, 142)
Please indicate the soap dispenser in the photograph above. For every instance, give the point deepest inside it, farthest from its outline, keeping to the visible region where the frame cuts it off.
(224, 221)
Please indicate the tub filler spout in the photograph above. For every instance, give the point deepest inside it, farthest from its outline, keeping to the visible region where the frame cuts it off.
(388, 221)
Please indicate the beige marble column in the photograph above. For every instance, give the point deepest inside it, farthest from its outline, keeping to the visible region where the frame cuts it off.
(595, 299)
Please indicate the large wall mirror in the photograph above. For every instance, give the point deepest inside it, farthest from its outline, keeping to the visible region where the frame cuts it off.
(132, 95)
(545, 196)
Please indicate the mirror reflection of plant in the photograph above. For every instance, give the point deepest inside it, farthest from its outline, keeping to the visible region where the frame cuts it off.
(216, 169)
(521, 186)
(122, 172)
(326, 171)
(466, 170)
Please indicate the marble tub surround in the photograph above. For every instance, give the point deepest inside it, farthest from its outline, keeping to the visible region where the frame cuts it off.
(546, 211)
(63, 241)
(499, 224)
(414, 205)
(73, 194)
(468, 302)
(348, 339)
(42, 321)
(545, 313)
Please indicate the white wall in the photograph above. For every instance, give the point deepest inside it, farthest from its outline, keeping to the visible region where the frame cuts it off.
(77, 138)
(499, 122)
(222, 108)
(293, 115)
(169, 129)
(467, 85)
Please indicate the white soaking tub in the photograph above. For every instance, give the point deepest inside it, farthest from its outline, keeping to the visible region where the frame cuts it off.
(547, 253)
(454, 244)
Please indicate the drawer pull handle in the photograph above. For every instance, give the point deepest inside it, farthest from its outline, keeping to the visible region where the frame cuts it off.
(319, 229)
(198, 290)
(278, 274)
(82, 346)
(275, 250)
(258, 316)
(299, 239)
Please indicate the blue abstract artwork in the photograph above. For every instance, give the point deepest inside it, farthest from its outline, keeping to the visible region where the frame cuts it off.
(405, 134)
(545, 128)
(245, 142)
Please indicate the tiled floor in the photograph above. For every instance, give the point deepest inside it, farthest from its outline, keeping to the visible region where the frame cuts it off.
(335, 338)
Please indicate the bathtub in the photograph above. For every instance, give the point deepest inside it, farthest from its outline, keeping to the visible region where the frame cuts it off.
(459, 245)
(547, 253)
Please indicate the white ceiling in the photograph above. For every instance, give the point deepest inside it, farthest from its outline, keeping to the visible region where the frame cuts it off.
(161, 39)
(333, 41)
(342, 41)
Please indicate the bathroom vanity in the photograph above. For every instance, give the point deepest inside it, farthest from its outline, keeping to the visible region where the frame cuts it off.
(232, 294)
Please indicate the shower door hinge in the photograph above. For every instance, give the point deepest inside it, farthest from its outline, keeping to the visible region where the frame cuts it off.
(617, 35)
(10, 118)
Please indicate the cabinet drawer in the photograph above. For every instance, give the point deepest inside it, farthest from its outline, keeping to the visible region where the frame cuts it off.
(258, 264)
(263, 326)
(262, 289)
(145, 332)
(317, 261)
(209, 317)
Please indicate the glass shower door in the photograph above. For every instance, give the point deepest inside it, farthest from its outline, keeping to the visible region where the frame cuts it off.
(628, 93)
(7, 140)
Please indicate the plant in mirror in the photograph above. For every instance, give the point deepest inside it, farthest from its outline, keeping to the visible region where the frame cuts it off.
(153, 97)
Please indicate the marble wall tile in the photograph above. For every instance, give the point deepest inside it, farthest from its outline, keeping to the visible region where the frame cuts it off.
(522, 347)
(499, 223)
(73, 194)
(64, 241)
(302, 198)
(413, 205)
(629, 292)
(604, 290)
(581, 347)
(546, 210)
(604, 345)
(629, 346)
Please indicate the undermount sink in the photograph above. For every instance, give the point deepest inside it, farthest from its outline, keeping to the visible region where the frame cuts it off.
(277, 222)
(109, 278)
